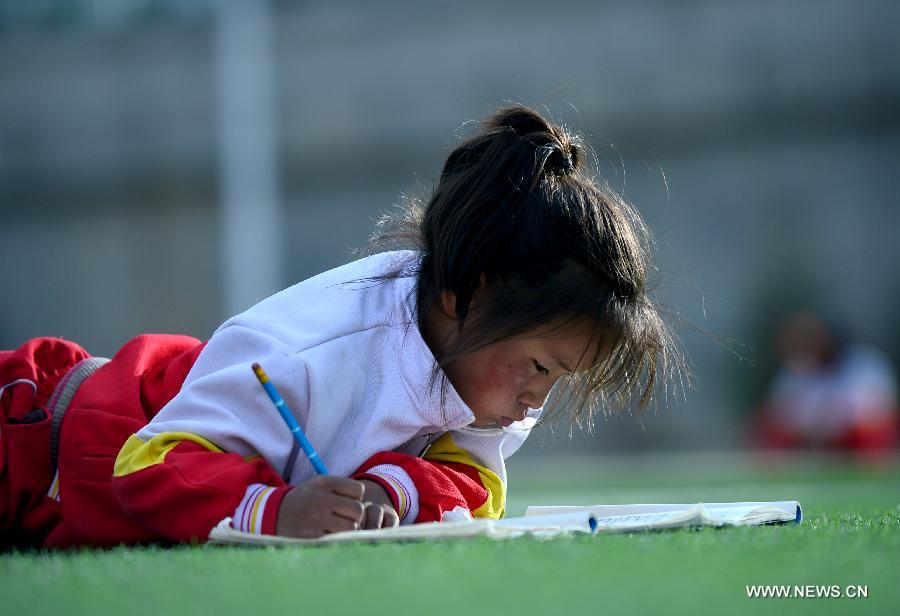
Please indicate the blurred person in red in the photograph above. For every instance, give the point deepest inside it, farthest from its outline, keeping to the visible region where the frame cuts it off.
(829, 393)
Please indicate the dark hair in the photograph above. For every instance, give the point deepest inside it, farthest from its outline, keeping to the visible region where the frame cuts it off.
(556, 247)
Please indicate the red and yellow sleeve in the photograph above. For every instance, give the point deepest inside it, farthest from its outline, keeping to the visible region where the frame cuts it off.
(180, 486)
(447, 478)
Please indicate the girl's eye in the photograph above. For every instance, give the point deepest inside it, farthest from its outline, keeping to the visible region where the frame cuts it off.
(540, 368)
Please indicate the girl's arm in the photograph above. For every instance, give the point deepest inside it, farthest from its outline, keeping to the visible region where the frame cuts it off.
(446, 478)
(204, 456)
(180, 485)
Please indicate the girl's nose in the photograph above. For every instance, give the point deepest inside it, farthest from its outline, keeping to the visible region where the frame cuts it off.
(527, 400)
(534, 399)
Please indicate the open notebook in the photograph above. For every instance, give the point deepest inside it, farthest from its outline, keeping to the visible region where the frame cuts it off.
(547, 521)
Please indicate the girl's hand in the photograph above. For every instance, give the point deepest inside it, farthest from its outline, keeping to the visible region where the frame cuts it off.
(324, 504)
(380, 511)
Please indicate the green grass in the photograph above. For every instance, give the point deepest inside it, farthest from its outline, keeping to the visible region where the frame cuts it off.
(851, 535)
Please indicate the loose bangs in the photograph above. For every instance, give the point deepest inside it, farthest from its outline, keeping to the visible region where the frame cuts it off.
(634, 360)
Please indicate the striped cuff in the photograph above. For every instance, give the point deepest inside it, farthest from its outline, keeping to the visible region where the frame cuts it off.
(258, 511)
(399, 486)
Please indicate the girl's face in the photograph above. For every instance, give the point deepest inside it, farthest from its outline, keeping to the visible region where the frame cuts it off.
(500, 382)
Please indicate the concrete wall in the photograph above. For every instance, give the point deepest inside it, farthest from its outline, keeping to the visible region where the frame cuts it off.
(760, 140)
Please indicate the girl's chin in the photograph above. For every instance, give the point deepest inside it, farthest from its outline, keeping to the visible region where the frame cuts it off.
(492, 422)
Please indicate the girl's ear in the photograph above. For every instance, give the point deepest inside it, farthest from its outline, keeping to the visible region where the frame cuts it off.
(448, 303)
(448, 298)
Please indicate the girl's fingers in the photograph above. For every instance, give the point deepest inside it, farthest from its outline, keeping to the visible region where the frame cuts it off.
(390, 519)
(337, 524)
(352, 510)
(342, 486)
(373, 516)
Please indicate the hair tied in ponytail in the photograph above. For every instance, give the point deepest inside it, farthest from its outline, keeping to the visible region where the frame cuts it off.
(518, 206)
(558, 162)
(568, 165)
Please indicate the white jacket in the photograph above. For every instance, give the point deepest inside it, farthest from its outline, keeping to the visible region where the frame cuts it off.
(346, 354)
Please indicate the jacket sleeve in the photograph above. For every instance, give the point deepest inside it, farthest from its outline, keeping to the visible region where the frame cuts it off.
(447, 478)
(180, 486)
(216, 449)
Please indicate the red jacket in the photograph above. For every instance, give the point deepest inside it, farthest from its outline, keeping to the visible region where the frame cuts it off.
(175, 489)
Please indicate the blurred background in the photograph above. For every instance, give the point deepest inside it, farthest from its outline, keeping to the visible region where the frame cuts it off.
(166, 164)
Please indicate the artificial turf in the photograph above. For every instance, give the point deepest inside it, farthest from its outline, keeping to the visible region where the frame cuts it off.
(851, 536)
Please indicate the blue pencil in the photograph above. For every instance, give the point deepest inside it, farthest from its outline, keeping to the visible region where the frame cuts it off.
(288, 417)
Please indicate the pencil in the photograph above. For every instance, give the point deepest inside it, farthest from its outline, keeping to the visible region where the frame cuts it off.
(288, 417)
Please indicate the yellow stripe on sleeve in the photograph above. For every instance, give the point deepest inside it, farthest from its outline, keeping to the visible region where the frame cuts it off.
(256, 527)
(137, 454)
(446, 450)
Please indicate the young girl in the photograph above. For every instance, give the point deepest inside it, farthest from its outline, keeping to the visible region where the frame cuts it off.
(414, 373)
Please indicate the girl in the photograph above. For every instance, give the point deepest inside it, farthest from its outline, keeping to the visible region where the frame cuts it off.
(414, 373)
